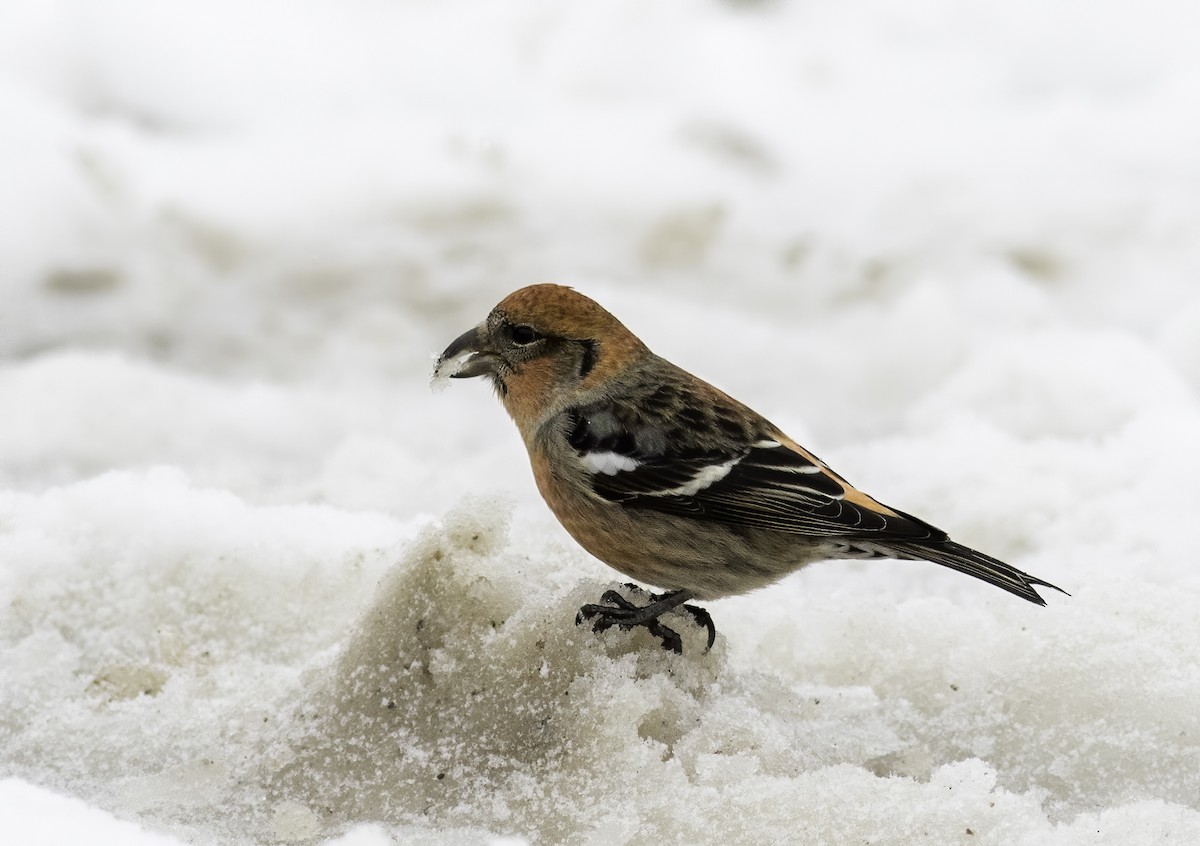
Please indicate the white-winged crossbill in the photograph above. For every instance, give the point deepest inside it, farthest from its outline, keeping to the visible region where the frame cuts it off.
(668, 479)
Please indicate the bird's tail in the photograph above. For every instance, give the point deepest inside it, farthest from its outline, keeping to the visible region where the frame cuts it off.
(975, 563)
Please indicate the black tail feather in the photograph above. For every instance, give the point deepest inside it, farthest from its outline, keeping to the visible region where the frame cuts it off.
(984, 567)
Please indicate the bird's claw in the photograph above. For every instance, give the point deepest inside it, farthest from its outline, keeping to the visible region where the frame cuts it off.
(705, 620)
(607, 616)
(616, 610)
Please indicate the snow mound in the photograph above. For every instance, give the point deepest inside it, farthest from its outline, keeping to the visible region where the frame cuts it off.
(459, 696)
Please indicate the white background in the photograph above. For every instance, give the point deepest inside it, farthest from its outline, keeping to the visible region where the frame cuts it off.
(258, 584)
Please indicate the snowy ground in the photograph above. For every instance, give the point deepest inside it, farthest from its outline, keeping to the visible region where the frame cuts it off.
(259, 585)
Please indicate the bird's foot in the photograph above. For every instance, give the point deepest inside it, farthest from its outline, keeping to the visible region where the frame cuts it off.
(616, 610)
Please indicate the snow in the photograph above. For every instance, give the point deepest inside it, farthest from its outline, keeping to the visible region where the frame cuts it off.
(259, 585)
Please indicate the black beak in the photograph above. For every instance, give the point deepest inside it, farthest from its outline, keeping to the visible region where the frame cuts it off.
(467, 357)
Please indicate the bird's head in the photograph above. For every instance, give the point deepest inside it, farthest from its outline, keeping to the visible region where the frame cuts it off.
(539, 346)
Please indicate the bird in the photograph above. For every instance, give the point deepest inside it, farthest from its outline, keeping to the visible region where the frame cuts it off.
(669, 480)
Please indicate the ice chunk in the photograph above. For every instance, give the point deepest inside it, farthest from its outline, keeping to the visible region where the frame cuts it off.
(444, 370)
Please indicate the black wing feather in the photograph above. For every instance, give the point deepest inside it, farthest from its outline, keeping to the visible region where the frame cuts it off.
(767, 487)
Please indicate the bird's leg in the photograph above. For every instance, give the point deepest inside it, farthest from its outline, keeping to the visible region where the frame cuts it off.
(616, 605)
(619, 611)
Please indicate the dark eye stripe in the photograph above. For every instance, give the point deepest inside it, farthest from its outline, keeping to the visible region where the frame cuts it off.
(589, 358)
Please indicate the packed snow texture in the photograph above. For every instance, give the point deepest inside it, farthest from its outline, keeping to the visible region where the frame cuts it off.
(259, 585)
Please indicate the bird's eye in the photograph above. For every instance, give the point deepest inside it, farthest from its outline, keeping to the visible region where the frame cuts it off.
(524, 335)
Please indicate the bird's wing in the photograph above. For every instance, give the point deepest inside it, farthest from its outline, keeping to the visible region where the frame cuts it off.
(757, 478)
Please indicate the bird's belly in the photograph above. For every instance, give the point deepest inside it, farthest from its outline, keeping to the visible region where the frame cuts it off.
(709, 559)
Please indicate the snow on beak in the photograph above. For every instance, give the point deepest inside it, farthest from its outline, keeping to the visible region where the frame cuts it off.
(465, 358)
